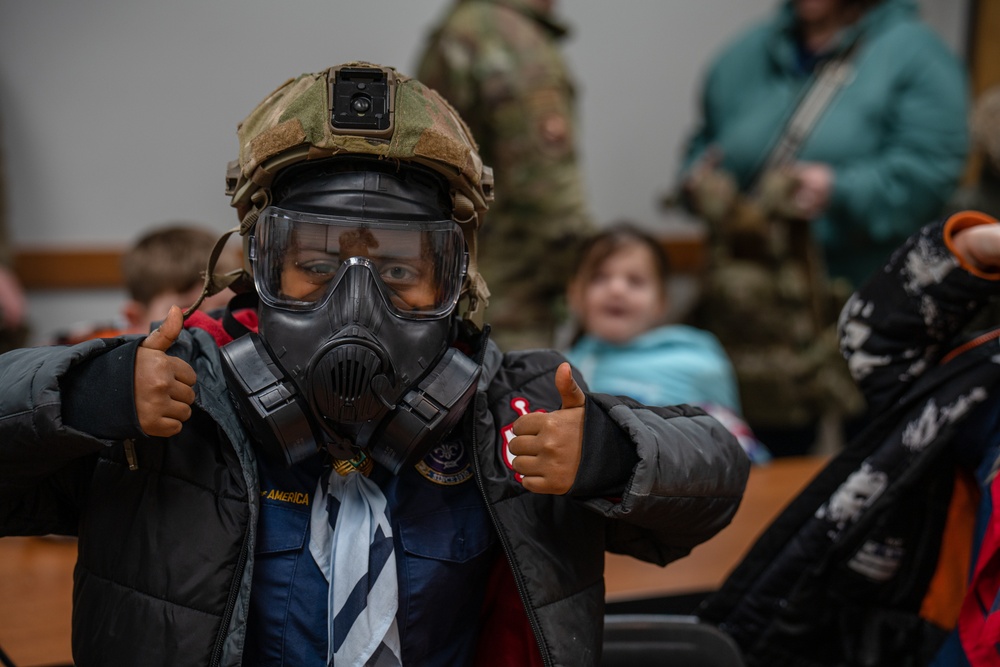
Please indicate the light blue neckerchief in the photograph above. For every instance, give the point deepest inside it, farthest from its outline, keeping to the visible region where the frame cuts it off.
(351, 542)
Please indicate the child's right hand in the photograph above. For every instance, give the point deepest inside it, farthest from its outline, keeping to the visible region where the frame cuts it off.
(163, 384)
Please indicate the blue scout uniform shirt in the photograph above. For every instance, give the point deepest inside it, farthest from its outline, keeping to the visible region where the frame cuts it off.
(444, 551)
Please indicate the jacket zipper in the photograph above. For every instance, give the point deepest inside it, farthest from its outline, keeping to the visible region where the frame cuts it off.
(130, 457)
(231, 604)
(518, 580)
(965, 347)
(234, 588)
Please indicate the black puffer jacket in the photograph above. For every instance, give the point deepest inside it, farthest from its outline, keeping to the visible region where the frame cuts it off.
(165, 559)
(840, 577)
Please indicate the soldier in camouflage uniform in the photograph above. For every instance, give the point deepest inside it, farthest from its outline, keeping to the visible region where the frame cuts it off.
(498, 63)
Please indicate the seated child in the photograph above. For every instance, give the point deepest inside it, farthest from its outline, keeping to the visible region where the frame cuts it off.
(618, 296)
(164, 267)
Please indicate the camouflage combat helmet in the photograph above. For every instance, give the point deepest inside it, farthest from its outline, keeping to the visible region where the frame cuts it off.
(296, 123)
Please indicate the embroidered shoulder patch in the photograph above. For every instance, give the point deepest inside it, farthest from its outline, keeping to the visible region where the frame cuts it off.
(447, 464)
(521, 406)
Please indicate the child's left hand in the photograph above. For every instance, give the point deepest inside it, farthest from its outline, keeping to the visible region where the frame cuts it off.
(548, 445)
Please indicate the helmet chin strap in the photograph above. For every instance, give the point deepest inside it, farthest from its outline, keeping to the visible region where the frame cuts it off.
(464, 213)
(238, 279)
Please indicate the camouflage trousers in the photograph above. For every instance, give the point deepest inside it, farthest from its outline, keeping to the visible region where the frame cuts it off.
(527, 283)
(786, 356)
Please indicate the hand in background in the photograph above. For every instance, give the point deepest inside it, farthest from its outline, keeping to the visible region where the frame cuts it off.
(702, 169)
(12, 302)
(815, 185)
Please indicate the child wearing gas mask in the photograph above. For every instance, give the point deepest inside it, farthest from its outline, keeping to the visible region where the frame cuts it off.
(344, 468)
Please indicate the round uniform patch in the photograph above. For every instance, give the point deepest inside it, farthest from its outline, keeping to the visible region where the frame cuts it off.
(447, 464)
(554, 129)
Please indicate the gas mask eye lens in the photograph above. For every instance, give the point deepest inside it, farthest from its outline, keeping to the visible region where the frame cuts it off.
(318, 272)
(399, 274)
(413, 285)
(306, 272)
(416, 267)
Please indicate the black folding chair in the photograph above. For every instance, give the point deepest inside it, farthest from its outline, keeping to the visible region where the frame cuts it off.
(644, 640)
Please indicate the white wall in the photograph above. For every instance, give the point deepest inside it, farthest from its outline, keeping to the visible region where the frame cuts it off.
(121, 114)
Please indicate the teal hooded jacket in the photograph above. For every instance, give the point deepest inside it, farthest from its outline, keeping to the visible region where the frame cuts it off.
(896, 134)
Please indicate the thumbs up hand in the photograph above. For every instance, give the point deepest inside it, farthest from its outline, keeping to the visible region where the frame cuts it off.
(548, 445)
(163, 384)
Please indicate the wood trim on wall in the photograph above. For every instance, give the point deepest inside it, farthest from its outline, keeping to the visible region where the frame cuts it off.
(100, 268)
(687, 254)
(62, 268)
(984, 47)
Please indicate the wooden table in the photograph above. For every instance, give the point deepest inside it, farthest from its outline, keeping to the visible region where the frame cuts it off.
(36, 590)
(768, 491)
(36, 574)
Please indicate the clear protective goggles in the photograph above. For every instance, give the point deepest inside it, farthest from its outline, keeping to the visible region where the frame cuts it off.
(300, 258)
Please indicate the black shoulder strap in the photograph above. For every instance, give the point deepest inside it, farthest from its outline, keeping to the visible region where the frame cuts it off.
(234, 327)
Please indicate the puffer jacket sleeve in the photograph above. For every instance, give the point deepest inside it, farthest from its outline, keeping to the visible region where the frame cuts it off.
(44, 464)
(906, 318)
(926, 140)
(686, 486)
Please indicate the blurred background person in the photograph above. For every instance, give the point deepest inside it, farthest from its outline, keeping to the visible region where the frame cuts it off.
(13, 307)
(983, 193)
(166, 267)
(618, 297)
(163, 268)
(499, 63)
(887, 150)
(828, 133)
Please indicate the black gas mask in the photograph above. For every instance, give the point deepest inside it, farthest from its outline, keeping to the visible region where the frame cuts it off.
(358, 267)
